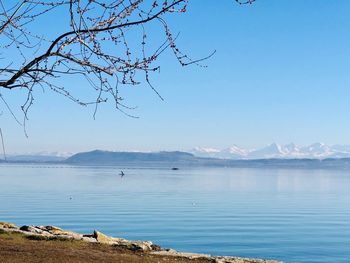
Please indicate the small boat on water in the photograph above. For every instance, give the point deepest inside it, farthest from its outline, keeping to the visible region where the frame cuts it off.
(174, 168)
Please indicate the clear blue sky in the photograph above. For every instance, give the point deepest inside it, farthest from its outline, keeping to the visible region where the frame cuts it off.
(281, 74)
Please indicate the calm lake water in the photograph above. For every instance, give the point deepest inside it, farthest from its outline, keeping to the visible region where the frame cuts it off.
(291, 215)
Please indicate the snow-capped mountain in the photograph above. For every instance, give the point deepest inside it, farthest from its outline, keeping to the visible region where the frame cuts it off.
(236, 151)
(270, 151)
(233, 152)
(274, 150)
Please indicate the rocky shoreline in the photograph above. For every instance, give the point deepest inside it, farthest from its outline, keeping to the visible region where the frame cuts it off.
(146, 247)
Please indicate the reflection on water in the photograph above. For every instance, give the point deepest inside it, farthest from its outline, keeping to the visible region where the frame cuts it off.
(293, 215)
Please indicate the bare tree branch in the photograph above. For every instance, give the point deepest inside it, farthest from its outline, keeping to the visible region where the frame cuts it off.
(98, 41)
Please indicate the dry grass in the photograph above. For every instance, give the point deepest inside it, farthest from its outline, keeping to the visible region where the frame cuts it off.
(19, 248)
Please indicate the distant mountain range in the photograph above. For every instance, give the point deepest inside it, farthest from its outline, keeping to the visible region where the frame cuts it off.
(291, 153)
(183, 159)
(276, 151)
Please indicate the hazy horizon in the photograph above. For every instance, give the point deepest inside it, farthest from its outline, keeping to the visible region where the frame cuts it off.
(191, 150)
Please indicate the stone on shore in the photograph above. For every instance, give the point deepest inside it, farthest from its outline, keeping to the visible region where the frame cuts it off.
(131, 245)
(102, 238)
(6, 225)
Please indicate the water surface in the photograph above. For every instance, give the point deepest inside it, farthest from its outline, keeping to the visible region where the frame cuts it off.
(292, 215)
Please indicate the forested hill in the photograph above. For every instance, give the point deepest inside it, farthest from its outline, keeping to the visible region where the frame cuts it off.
(106, 157)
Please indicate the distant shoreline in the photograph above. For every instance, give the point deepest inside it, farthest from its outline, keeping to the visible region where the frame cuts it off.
(174, 160)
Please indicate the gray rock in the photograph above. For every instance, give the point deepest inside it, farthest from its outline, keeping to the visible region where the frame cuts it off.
(32, 229)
